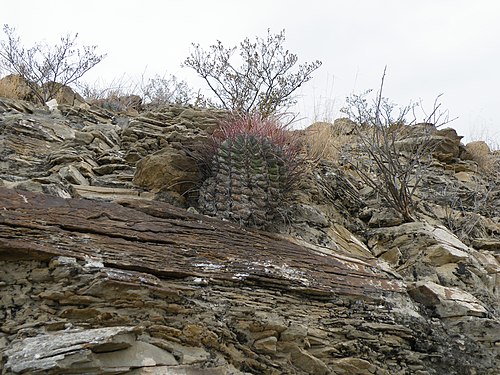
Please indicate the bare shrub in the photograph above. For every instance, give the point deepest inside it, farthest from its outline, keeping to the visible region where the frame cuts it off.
(119, 86)
(42, 64)
(467, 207)
(144, 93)
(263, 83)
(116, 96)
(159, 91)
(394, 168)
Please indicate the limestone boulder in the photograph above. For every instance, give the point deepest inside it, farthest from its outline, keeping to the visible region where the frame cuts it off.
(444, 144)
(167, 169)
(111, 349)
(481, 154)
(443, 253)
(450, 142)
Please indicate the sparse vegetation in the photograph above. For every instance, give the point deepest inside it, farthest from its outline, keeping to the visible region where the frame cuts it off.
(123, 93)
(43, 65)
(394, 168)
(467, 206)
(158, 91)
(263, 83)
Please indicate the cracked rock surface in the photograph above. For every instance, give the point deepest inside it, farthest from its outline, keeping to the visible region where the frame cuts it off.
(104, 270)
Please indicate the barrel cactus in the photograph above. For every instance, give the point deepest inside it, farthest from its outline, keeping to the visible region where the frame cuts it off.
(251, 166)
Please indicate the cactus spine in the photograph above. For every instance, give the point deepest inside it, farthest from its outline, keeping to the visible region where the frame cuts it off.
(251, 169)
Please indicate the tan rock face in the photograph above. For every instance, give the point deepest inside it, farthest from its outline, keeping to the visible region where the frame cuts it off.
(169, 169)
(126, 283)
(176, 286)
(444, 143)
(14, 86)
(443, 254)
(449, 302)
(65, 95)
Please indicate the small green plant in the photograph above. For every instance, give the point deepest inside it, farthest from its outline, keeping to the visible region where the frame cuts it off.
(250, 166)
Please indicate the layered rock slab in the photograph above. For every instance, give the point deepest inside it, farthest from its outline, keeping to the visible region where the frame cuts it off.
(140, 287)
(165, 241)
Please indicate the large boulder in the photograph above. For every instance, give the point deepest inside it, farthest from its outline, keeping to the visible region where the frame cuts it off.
(447, 144)
(65, 95)
(168, 169)
(14, 86)
(480, 152)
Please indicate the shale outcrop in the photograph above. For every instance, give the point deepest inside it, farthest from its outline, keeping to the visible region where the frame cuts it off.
(106, 267)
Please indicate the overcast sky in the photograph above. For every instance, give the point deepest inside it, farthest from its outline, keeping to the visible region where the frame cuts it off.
(430, 47)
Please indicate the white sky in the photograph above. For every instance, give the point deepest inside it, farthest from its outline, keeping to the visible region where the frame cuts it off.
(429, 46)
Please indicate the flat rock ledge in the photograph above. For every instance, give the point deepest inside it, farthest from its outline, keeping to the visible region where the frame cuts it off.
(141, 287)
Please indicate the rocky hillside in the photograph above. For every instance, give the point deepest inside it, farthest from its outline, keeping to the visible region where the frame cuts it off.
(106, 267)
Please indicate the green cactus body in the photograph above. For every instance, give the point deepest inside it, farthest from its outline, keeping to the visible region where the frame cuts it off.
(248, 181)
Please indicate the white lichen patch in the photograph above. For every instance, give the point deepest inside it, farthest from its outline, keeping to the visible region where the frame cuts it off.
(24, 198)
(208, 266)
(93, 262)
(240, 276)
(285, 271)
(200, 281)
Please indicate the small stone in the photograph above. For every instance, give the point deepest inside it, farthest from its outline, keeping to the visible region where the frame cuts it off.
(442, 254)
(356, 366)
(464, 176)
(266, 345)
(385, 218)
(307, 362)
(449, 302)
(73, 175)
(392, 256)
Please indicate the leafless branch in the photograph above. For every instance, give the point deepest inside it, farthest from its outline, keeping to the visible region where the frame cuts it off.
(263, 83)
(46, 69)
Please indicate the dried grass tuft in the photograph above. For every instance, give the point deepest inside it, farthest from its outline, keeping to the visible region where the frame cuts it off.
(325, 141)
(480, 152)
